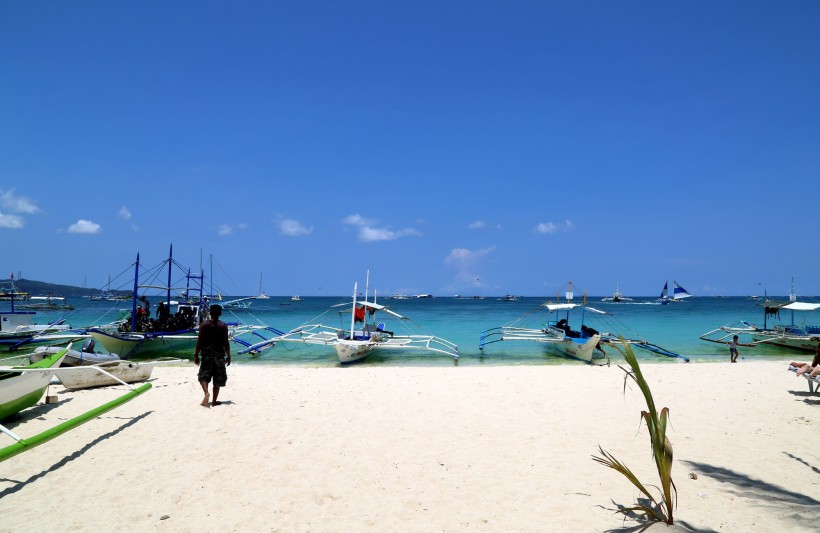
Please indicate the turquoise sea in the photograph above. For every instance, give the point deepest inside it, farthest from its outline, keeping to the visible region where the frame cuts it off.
(675, 327)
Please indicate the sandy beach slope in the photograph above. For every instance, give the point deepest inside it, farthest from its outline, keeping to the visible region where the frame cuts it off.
(420, 449)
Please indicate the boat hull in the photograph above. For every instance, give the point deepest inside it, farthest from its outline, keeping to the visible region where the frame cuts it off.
(806, 344)
(21, 390)
(76, 357)
(585, 351)
(349, 351)
(127, 371)
(130, 345)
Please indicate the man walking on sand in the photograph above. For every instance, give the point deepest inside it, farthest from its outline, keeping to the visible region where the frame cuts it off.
(212, 342)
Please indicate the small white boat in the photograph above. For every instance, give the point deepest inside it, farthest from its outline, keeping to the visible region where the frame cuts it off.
(295, 299)
(127, 371)
(262, 294)
(617, 297)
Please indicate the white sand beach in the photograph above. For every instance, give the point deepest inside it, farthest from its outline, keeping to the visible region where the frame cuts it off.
(420, 449)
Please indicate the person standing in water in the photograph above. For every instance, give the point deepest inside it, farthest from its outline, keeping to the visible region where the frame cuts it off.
(212, 343)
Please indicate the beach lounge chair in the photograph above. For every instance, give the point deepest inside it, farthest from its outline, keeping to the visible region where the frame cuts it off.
(814, 383)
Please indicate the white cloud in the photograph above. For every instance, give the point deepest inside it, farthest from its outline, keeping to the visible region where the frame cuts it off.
(467, 264)
(294, 228)
(358, 220)
(478, 224)
(547, 228)
(228, 229)
(17, 204)
(11, 221)
(368, 233)
(124, 213)
(85, 227)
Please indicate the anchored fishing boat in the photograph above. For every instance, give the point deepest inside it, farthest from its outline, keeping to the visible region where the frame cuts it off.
(139, 335)
(585, 343)
(142, 336)
(365, 334)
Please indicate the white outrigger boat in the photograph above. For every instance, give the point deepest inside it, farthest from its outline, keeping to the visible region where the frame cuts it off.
(586, 344)
(803, 336)
(358, 341)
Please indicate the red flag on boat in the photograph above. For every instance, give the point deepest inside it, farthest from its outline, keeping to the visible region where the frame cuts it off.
(358, 314)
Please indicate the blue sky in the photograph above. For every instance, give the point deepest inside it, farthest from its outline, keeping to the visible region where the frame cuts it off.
(449, 147)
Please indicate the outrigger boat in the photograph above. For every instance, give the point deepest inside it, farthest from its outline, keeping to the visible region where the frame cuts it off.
(141, 336)
(22, 386)
(803, 337)
(365, 335)
(586, 344)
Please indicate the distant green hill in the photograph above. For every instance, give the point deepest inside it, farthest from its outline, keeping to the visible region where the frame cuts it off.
(41, 288)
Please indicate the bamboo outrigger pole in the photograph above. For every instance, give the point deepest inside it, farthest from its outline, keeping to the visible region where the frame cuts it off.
(23, 445)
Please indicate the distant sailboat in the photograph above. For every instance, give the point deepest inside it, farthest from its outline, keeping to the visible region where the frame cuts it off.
(262, 295)
(678, 293)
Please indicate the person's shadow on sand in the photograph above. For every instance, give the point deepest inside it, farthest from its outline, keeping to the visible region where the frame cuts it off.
(220, 403)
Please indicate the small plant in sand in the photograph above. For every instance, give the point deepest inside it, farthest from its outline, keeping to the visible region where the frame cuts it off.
(660, 511)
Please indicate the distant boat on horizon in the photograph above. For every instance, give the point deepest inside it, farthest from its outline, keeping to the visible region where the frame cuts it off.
(262, 294)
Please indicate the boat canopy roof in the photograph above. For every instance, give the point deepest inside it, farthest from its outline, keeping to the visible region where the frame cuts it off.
(562, 307)
(371, 305)
(801, 306)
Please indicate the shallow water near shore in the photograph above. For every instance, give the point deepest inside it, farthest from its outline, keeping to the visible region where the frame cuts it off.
(675, 327)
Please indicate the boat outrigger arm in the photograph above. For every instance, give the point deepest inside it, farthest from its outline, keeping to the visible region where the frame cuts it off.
(21, 445)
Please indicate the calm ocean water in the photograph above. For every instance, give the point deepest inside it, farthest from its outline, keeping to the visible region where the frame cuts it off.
(675, 327)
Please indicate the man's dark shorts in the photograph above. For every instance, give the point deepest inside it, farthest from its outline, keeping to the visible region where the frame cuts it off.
(213, 367)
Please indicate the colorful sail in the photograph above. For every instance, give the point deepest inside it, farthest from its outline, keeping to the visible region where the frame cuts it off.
(680, 292)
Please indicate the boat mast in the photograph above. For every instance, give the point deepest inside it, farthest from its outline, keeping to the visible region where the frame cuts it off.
(168, 288)
(134, 297)
(353, 311)
(792, 298)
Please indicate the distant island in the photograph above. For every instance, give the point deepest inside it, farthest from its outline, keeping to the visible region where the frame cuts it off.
(41, 288)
